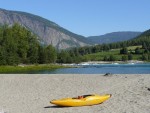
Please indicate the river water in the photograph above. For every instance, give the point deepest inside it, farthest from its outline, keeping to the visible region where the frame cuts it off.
(137, 68)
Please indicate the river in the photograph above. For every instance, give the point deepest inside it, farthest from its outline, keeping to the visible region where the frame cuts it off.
(116, 68)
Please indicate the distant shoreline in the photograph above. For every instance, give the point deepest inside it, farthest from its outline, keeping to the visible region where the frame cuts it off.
(106, 62)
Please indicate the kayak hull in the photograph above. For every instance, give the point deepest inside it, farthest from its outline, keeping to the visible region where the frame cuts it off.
(86, 101)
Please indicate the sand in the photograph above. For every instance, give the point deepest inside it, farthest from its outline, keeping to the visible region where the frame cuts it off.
(31, 93)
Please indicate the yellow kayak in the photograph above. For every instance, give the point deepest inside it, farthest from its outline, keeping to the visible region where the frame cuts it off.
(85, 100)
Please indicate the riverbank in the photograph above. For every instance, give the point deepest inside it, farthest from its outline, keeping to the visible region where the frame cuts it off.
(107, 62)
(28, 68)
(31, 93)
(113, 62)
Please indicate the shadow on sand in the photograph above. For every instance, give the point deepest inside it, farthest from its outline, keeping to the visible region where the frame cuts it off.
(55, 107)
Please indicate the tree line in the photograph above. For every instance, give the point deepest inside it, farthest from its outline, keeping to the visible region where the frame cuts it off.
(143, 40)
(143, 51)
(19, 45)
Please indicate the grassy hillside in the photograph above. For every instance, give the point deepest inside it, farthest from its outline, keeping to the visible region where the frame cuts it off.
(115, 52)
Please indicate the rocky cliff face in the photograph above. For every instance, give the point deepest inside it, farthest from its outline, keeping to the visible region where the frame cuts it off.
(47, 31)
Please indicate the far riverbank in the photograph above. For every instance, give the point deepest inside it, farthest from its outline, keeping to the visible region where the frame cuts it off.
(106, 62)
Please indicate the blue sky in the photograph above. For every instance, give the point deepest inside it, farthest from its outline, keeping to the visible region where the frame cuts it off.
(88, 17)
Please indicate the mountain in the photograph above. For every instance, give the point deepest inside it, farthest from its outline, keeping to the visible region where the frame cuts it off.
(114, 37)
(143, 39)
(144, 34)
(47, 31)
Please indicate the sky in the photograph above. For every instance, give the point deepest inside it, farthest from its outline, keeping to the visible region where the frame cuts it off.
(88, 17)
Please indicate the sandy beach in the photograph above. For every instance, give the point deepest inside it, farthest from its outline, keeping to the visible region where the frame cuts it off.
(31, 93)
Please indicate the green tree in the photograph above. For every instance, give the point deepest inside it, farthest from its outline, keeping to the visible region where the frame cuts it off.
(145, 57)
(51, 54)
(2, 56)
(62, 57)
(105, 58)
(138, 51)
(42, 55)
(112, 58)
(124, 51)
(124, 58)
(130, 57)
(33, 51)
(149, 57)
(19, 45)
